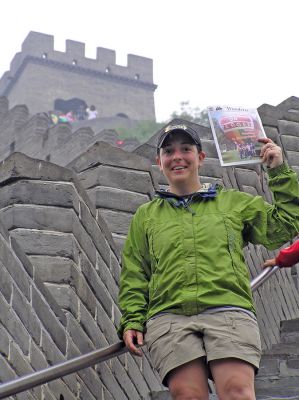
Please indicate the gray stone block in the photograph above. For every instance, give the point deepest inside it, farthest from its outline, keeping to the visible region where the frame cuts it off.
(37, 217)
(4, 342)
(84, 240)
(116, 315)
(106, 276)
(11, 322)
(117, 221)
(106, 325)
(136, 375)
(96, 285)
(99, 231)
(248, 179)
(62, 295)
(37, 358)
(91, 380)
(103, 153)
(290, 143)
(47, 243)
(92, 329)
(288, 128)
(269, 366)
(49, 320)
(86, 295)
(293, 158)
(39, 193)
(18, 361)
(109, 381)
(50, 350)
(43, 289)
(211, 167)
(14, 268)
(79, 337)
(53, 269)
(47, 394)
(59, 388)
(117, 199)
(85, 393)
(7, 374)
(284, 387)
(152, 379)
(119, 242)
(123, 379)
(120, 178)
(5, 283)
(115, 268)
(24, 311)
(18, 166)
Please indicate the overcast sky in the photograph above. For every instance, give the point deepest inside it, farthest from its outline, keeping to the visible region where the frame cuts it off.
(207, 52)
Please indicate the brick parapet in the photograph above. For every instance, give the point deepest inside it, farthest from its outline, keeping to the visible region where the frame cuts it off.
(117, 183)
(49, 215)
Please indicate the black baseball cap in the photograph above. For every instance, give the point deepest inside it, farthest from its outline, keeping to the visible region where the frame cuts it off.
(176, 128)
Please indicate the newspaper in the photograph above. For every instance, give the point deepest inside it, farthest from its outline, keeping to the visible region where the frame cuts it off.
(236, 131)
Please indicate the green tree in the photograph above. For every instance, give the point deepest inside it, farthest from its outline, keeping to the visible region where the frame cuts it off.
(142, 131)
(146, 129)
(192, 114)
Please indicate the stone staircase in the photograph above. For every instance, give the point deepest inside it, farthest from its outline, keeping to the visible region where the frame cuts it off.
(279, 370)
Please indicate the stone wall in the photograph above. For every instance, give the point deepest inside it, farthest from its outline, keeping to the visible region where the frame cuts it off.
(59, 293)
(39, 75)
(117, 183)
(62, 143)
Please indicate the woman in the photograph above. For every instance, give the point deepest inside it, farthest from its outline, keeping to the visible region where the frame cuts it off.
(184, 281)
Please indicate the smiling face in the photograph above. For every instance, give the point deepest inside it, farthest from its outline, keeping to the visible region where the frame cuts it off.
(180, 160)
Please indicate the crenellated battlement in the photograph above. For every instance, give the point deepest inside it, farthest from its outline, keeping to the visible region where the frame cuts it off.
(39, 69)
(41, 46)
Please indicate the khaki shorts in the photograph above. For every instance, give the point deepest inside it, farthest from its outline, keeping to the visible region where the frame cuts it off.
(174, 340)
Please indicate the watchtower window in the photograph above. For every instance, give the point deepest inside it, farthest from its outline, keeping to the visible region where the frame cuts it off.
(48, 157)
(44, 55)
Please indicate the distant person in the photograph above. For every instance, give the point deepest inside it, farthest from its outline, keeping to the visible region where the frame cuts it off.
(91, 112)
(286, 257)
(81, 113)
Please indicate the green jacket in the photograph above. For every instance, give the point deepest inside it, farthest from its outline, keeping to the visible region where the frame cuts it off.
(187, 259)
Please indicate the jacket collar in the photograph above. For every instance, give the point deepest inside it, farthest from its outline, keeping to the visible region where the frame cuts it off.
(207, 190)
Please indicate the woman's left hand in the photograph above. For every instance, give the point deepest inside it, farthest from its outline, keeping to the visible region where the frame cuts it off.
(271, 154)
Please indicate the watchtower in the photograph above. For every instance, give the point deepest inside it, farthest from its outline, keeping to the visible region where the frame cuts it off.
(39, 76)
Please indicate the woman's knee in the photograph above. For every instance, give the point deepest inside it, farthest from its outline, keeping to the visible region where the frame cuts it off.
(235, 389)
(185, 393)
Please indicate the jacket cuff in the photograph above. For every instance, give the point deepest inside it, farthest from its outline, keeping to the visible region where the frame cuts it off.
(133, 325)
(282, 168)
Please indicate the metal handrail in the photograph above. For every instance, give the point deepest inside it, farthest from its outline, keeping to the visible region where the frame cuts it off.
(94, 357)
(263, 276)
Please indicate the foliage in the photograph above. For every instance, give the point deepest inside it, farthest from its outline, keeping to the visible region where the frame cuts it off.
(192, 114)
(142, 131)
(146, 129)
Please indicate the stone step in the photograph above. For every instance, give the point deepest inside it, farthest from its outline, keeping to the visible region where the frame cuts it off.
(284, 349)
(290, 331)
(285, 387)
(269, 395)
